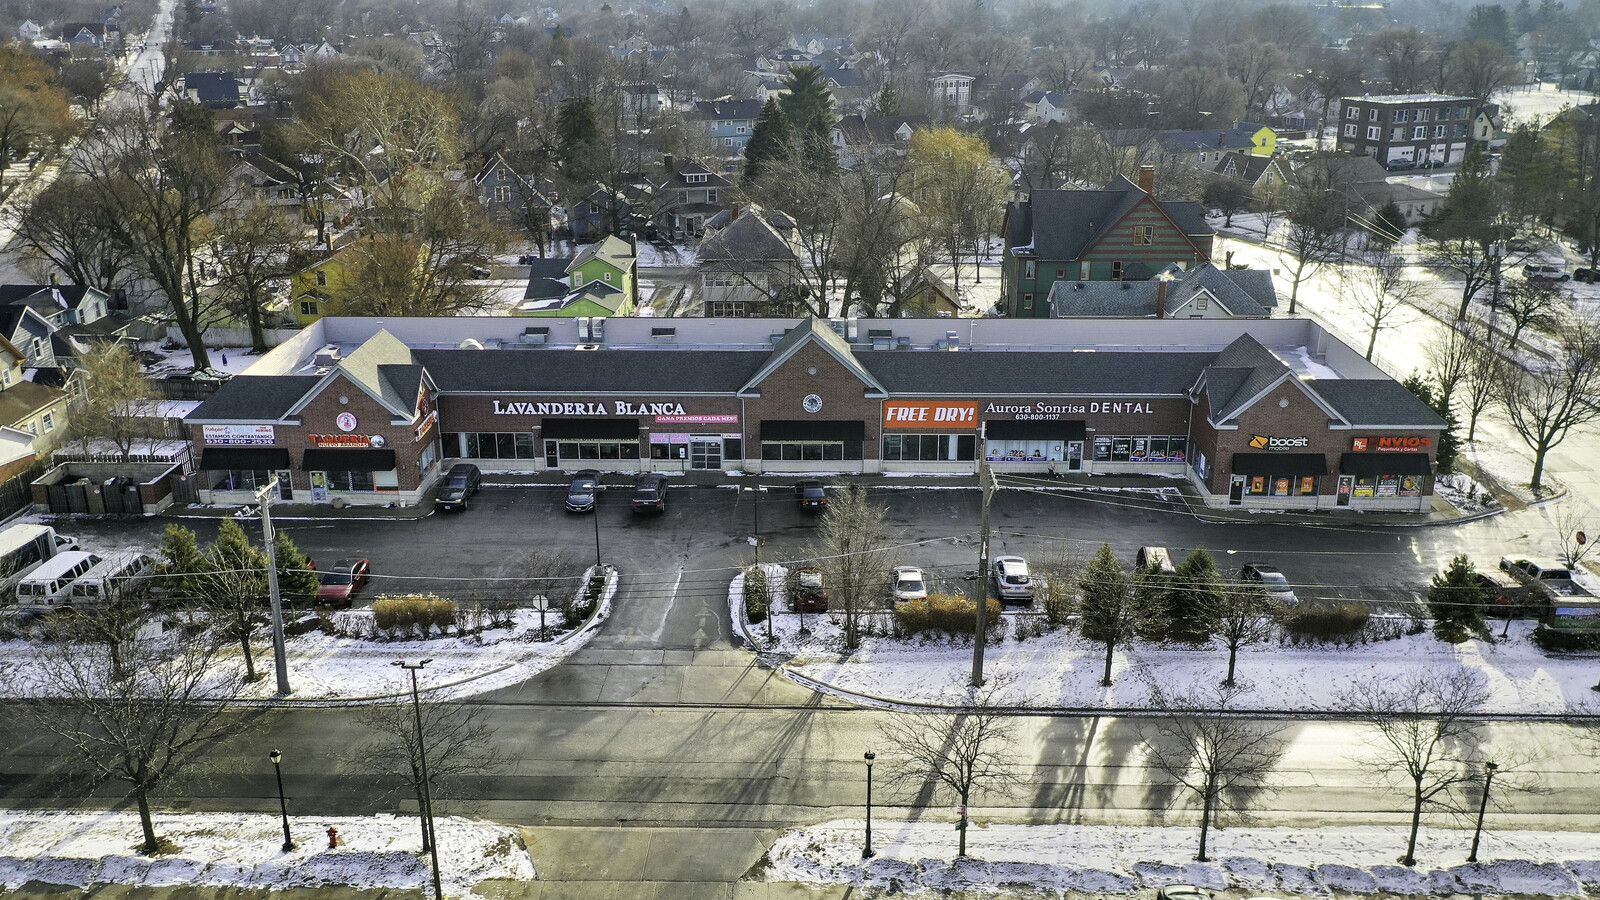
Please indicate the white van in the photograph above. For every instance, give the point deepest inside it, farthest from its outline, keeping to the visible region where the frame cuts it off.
(117, 576)
(1157, 557)
(24, 548)
(47, 585)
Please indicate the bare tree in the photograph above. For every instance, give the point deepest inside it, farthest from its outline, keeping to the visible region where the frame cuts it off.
(961, 753)
(1546, 401)
(252, 244)
(1573, 527)
(1484, 374)
(112, 405)
(1240, 611)
(458, 739)
(1530, 304)
(70, 226)
(1222, 760)
(1316, 210)
(1382, 292)
(1422, 735)
(145, 725)
(1450, 357)
(852, 550)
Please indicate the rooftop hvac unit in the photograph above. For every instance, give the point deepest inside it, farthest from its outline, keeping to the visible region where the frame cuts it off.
(583, 327)
(597, 329)
(852, 329)
(664, 334)
(326, 357)
(535, 334)
(470, 344)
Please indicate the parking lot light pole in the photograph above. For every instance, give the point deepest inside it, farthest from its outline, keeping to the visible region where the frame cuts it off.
(283, 804)
(280, 659)
(1483, 806)
(596, 511)
(755, 505)
(427, 789)
(986, 481)
(869, 756)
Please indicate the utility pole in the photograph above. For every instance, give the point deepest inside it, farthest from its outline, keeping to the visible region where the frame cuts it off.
(986, 479)
(427, 788)
(280, 659)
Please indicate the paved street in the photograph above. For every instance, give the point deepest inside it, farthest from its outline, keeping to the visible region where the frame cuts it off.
(663, 721)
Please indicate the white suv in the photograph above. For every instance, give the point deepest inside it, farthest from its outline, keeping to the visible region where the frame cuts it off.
(909, 584)
(1546, 273)
(1011, 580)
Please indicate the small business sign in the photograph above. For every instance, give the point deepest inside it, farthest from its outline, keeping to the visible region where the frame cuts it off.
(346, 421)
(1273, 442)
(935, 414)
(375, 441)
(1390, 444)
(702, 419)
(238, 434)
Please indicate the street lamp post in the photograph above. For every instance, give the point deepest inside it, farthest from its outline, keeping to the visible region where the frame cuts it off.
(283, 804)
(869, 756)
(755, 505)
(280, 659)
(595, 512)
(1483, 805)
(427, 789)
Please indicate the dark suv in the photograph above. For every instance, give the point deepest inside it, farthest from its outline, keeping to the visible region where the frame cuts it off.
(583, 490)
(650, 492)
(460, 483)
(811, 496)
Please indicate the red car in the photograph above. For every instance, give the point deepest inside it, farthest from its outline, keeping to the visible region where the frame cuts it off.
(341, 582)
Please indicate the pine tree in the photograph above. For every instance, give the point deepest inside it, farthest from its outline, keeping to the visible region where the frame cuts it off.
(1456, 602)
(1108, 611)
(1192, 602)
(578, 140)
(180, 560)
(296, 579)
(809, 103)
(770, 139)
(886, 102)
(1449, 439)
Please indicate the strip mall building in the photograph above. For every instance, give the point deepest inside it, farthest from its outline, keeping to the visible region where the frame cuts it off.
(1274, 414)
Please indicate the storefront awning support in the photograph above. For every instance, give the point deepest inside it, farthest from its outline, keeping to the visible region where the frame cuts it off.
(264, 496)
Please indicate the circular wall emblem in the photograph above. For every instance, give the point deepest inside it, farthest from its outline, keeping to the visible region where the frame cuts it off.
(346, 421)
(812, 403)
(377, 441)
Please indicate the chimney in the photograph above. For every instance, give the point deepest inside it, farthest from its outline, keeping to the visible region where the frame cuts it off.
(669, 164)
(633, 242)
(1161, 298)
(54, 280)
(735, 210)
(1147, 179)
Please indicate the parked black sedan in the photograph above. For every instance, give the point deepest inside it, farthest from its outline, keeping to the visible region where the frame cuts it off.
(584, 489)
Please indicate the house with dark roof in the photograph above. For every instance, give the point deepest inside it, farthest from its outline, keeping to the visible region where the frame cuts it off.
(512, 199)
(1202, 292)
(264, 180)
(1261, 174)
(750, 266)
(1044, 106)
(857, 136)
(213, 90)
(98, 35)
(1204, 148)
(729, 122)
(1119, 233)
(690, 194)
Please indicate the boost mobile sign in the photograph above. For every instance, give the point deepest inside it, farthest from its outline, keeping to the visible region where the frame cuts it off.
(1269, 442)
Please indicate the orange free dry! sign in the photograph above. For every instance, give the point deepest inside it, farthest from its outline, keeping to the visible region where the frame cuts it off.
(930, 414)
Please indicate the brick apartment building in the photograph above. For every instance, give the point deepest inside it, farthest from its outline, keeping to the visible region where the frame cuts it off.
(1413, 128)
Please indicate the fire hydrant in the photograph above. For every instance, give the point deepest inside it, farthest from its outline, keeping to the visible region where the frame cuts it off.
(333, 838)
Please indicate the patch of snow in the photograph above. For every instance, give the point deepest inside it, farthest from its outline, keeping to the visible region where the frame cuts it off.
(1311, 366)
(243, 850)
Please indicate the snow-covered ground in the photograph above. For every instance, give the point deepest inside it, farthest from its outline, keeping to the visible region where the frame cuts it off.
(232, 360)
(244, 850)
(1062, 669)
(349, 669)
(1121, 860)
(1540, 103)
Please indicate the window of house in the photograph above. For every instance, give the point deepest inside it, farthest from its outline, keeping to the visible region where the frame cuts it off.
(695, 179)
(727, 142)
(1061, 273)
(1373, 115)
(322, 279)
(1027, 301)
(502, 193)
(38, 348)
(1200, 301)
(5, 377)
(711, 195)
(1424, 115)
(309, 308)
(1116, 270)
(1350, 131)
(740, 129)
(1439, 130)
(1397, 134)
(49, 420)
(1419, 132)
(1029, 268)
(683, 196)
(33, 427)
(608, 277)
(1144, 235)
(1400, 115)
(1374, 133)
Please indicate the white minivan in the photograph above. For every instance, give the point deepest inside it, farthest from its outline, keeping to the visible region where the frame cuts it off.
(119, 575)
(47, 585)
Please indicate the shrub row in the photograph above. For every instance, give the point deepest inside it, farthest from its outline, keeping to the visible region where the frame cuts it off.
(1561, 640)
(757, 594)
(401, 614)
(1324, 623)
(945, 613)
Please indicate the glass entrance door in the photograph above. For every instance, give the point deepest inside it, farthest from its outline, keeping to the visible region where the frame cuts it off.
(1074, 455)
(705, 452)
(285, 487)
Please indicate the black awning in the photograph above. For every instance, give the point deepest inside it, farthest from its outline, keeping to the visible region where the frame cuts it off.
(1371, 464)
(593, 429)
(813, 430)
(344, 460)
(259, 459)
(1032, 430)
(1274, 464)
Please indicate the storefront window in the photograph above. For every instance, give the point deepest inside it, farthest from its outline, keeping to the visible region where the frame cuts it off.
(1119, 448)
(1140, 448)
(351, 481)
(492, 445)
(929, 447)
(598, 449)
(810, 451)
(238, 479)
(1102, 448)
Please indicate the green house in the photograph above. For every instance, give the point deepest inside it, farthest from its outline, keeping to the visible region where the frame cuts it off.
(593, 299)
(612, 261)
(1120, 233)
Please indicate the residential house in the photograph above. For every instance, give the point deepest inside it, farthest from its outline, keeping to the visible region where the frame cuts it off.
(690, 194)
(1409, 128)
(29, 31)
(1262, 174)
(1367, 186)
(1202, 292)
(239, 137)
(547, 279)
(511, 199)
(321, 287)
(33, 415)
(1488, 127)
(593, 299)
(1044, 107)
(929, 292)
(857, 137)
(1119, 233)
(98, 35)
(640, 104)
(1203, 149)
(611, 261)
(730, 122)
(952, 91)
(264, 180)
(596, 211)
(58, 305)
(750, 267)
(768, 87)
(213, 90)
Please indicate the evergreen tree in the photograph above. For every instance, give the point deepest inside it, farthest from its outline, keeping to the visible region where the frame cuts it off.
(578, 140)
(1456, 602)
(296, 578)
(809, 103)
(1449, 439)
(1108, 611)
(1151, 587)
(770, 139)
(180, 560)
(1390, 222)
(886, 102)
(1193, 599)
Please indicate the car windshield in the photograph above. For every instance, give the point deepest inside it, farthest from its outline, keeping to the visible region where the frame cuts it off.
(812, 491)
(1274, 581)
(811, 579)
(582, 487)
(909, 583)
(336, 578)
(459, 483)
(1014, 576)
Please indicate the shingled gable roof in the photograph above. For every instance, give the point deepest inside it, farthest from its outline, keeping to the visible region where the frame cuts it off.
(747, 238)
(613, 250)
(383, 368)
(1243, 373)
(813, 330)
(1065, 224)
(1244, 293)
